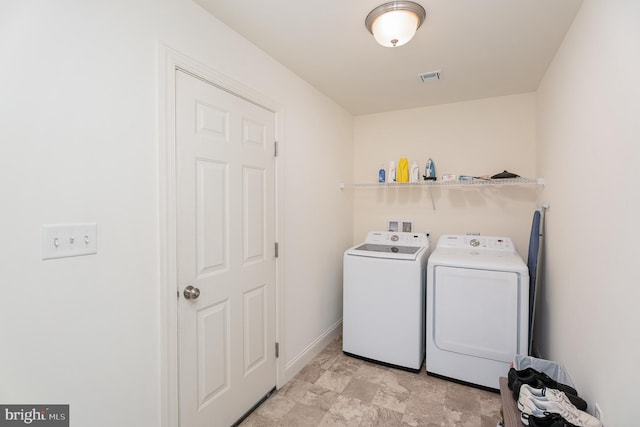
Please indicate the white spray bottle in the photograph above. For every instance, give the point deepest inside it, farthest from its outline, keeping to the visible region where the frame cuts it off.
(414, 173)
(392, 172)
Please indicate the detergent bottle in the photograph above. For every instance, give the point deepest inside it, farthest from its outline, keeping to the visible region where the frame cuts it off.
(414, 172)
(403, 170)
(392, 172)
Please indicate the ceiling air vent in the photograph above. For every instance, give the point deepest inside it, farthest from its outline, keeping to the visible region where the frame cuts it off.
(431, 75)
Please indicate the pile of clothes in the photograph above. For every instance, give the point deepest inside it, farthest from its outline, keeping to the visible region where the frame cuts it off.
(545, 402)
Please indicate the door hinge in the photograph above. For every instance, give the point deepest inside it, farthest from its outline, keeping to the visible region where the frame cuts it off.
(275, 148)
(277, 350)
(277, 249)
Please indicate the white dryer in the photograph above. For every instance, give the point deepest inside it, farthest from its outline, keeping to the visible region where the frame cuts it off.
(477, 308)
(384, 299)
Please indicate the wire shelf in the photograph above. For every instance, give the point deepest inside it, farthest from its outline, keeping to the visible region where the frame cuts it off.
(453, 183)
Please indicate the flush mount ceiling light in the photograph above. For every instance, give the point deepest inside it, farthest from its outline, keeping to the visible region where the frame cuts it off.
(394, 24)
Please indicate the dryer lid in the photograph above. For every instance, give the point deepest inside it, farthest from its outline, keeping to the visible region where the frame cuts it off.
(478, 259)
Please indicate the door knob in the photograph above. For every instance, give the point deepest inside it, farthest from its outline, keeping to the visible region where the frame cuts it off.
(191, 292)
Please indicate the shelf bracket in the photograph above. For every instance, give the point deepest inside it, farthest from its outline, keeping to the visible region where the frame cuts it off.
(433, 203)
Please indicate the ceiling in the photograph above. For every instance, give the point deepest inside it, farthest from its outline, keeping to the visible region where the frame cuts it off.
(484, 48)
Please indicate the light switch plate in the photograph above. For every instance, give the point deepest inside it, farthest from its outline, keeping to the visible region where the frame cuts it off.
(69, 240)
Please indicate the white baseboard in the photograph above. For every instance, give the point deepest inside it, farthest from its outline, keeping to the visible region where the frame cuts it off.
(303, 358)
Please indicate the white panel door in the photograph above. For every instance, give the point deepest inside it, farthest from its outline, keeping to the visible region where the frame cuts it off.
(225, 250)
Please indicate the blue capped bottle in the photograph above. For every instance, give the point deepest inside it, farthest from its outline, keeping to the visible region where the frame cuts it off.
(381, 174)
(430, 171)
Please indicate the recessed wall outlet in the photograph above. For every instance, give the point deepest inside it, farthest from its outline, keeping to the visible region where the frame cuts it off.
(67, 240)
(597, 412)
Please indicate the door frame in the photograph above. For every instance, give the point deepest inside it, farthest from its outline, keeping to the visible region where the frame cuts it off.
(169, 61)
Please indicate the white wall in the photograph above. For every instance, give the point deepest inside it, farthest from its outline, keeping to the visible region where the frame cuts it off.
(589, 152)
(467, 138)
(318, 222)
(79, 143)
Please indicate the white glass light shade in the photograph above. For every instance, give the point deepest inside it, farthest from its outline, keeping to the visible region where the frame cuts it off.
(395, 28)
(395, 23)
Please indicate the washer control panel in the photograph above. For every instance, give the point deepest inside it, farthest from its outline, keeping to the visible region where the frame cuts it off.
(398, 238)
(463, 241)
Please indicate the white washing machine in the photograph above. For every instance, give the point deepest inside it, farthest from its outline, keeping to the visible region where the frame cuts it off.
(477, 308)
(384, 299)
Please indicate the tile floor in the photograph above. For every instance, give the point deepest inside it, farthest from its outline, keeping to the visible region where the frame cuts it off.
(337, 390)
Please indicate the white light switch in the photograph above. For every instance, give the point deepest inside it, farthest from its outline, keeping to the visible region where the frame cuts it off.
(67, 240)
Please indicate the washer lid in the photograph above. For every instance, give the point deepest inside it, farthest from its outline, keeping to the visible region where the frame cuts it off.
(392, 245)
(386, 251)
